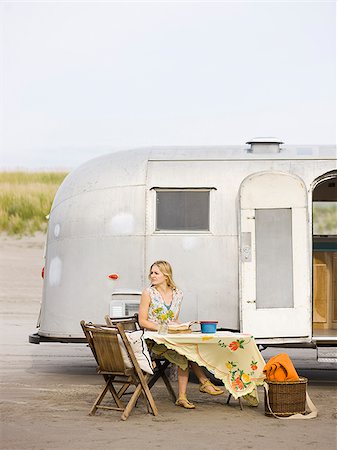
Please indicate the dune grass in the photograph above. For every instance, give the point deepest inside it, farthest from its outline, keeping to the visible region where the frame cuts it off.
(26, 199)
(325, 218)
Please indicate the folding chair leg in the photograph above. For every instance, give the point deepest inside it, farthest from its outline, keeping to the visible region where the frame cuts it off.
(142, 387)
(146, 402)
(123, 389)
(143, 381)
(116, 396)
(99, 399)
(132, 402)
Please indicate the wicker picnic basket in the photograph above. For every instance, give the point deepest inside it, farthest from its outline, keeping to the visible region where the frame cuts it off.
(286, 397)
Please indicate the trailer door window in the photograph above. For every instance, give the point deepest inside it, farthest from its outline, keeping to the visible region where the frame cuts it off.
(182, 209)
(274, 258)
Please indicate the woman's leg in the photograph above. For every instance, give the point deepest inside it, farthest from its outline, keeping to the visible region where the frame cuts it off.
(200, 374)
(182, 387)
(182, 381)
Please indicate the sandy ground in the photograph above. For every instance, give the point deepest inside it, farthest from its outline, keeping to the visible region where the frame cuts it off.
(48, 389)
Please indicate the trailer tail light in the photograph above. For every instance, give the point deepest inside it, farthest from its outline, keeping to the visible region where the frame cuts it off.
(114, 276)
(42, 272)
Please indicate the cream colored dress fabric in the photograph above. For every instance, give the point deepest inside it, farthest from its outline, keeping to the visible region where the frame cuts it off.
(157, 302)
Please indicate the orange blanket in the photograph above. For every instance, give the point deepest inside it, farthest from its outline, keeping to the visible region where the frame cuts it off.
(280, 368)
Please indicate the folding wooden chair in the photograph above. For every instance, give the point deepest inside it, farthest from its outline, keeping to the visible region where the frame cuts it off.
(106, 349)
(161, 363)
(129, 323)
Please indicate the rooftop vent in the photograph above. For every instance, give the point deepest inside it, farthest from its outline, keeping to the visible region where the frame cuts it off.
(264, 145)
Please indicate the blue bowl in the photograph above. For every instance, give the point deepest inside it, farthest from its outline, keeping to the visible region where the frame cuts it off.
(208, 326)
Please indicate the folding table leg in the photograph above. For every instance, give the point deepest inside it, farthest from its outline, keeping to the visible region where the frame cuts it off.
(154, 378)
(169, 387)
(161, 367)
(239, 399)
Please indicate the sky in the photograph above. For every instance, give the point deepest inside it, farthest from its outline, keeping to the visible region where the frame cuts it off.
(80, 79)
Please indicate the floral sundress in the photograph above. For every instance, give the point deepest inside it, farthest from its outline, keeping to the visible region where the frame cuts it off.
(157, 303)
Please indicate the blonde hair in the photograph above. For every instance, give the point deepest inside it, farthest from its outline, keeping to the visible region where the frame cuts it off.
(166, 269)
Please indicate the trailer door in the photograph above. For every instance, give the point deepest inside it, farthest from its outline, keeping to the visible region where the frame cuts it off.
(274, 257)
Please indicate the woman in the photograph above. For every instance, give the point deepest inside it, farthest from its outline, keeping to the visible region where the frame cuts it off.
(163, 296)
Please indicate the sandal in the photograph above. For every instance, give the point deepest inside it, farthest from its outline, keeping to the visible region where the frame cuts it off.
(184, 403)
(209, 388)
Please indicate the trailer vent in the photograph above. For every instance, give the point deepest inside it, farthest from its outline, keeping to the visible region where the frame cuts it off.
(264, 145)
(123, 308)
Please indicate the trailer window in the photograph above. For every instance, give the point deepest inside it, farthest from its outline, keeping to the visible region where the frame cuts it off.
(274, 258)
(182, 209)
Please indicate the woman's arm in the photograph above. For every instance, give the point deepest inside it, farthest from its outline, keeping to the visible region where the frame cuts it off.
(143, 313)
(176, 319)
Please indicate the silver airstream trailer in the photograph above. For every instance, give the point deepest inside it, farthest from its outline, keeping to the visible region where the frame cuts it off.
(235, 222)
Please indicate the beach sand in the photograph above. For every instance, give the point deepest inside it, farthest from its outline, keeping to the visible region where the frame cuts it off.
(47, 390)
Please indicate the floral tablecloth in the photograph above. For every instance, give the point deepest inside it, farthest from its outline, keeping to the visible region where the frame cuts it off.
(232, 358)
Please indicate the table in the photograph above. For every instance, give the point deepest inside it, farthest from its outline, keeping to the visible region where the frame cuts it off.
(233, 358)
